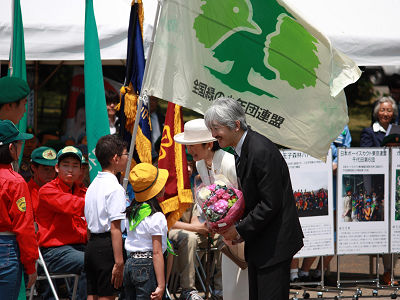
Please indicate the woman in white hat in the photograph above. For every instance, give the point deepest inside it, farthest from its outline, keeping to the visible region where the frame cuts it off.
(211, 161)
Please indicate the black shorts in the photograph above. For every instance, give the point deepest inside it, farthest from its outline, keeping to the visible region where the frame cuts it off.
(99, 262)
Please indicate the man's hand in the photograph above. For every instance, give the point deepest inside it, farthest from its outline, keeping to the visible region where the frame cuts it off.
(230, 233)
(117, 275)
(31, 280)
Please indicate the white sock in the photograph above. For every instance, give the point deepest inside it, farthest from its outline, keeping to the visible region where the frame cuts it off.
(294, 274)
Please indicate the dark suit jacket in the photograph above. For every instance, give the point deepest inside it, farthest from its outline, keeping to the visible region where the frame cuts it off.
(370, 138)
(270, 225)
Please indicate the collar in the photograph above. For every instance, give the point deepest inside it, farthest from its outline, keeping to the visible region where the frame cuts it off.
(6, 166)
(64, 187)
(377, 127)
(32, 183)
(113, 122)
(238, 148)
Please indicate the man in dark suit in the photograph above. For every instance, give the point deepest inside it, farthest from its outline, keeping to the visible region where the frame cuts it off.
(270, 225)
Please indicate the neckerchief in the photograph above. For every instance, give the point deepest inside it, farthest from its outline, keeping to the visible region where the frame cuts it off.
(143, 212)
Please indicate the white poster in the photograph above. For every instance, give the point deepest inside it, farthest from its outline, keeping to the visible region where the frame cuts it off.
(362, 201)
(312, 190)
(395, 201)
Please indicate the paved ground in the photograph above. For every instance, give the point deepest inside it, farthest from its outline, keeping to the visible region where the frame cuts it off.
(352, 268)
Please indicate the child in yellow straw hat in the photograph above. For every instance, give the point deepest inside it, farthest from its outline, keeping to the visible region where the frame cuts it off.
(147, 234)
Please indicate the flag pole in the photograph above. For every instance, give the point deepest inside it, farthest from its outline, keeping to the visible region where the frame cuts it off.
(140, 101)
(10, 66)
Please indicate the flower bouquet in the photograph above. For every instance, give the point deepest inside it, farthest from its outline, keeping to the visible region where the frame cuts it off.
(221, 204)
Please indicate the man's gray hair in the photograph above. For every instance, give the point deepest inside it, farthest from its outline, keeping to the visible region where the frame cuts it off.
(385, 100)
(225, 111)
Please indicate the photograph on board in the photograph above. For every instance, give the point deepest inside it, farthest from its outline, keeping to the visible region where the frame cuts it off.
(311, 193)
(363, 197)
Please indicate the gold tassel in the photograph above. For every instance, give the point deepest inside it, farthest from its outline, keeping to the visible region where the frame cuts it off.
(185, 196)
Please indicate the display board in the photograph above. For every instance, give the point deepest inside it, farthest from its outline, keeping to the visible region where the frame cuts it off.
(312, 189)
(362, 201)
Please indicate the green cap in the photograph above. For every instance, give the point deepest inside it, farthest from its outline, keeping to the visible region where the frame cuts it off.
(84, 161)
(12, 89)
(44, 156)
(9, 133)
(69, 151)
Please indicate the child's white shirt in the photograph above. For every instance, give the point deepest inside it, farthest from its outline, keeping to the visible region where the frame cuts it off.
(140, 239)
(104, 202)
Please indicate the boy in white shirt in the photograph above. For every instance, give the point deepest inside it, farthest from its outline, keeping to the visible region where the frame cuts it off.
(104, 210)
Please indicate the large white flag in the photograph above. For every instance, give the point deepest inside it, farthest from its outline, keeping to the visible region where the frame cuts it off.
(285, 73)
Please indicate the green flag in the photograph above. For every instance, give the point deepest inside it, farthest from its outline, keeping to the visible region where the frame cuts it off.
(95, 100)
(18, 69)
(17, 57)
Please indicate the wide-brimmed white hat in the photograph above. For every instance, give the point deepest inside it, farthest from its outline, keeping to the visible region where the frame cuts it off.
(194, 132)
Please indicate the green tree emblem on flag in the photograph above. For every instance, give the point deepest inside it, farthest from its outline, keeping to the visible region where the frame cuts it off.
(275, 44)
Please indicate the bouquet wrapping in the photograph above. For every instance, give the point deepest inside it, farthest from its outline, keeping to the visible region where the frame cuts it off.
(221, 204)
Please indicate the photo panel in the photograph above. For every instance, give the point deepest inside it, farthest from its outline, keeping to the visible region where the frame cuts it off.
(312, 190)
(362, 201)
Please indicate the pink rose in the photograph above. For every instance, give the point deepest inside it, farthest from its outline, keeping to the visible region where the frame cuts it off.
(226, 196)
(221, 206)
(219, 193)
(213, 199)
(212, 187)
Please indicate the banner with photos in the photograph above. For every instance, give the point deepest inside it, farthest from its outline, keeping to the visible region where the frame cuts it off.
(312, 191)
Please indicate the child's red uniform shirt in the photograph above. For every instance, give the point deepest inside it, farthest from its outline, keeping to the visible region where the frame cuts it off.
(60, 214)
(34, 192)
(16, 215)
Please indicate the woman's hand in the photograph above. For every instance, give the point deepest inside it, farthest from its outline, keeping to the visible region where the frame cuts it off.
(202, 228)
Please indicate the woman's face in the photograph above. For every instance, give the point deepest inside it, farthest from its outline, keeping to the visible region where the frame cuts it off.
(198, 151)
(385, 114)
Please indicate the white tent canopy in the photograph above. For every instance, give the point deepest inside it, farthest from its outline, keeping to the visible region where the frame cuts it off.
(368, 31)
(54, 29)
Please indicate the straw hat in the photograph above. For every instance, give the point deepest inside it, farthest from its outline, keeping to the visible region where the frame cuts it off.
(195, 132)
(147, 181)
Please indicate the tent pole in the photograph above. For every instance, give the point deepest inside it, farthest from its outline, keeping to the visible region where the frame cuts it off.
(10, 66)
(51, 74)
(140, 100)
(36, 97)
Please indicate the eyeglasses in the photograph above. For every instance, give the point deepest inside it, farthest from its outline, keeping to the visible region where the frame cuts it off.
(124, 154)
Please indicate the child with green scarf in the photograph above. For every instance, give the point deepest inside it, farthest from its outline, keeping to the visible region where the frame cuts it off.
(147, 235)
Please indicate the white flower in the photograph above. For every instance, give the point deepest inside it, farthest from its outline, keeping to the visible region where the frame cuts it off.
(220, 182)
(204, 193)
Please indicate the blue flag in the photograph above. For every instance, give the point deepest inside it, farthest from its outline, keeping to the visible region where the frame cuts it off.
(130, 92)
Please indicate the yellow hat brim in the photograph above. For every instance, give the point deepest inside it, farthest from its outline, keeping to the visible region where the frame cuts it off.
(155, 189)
